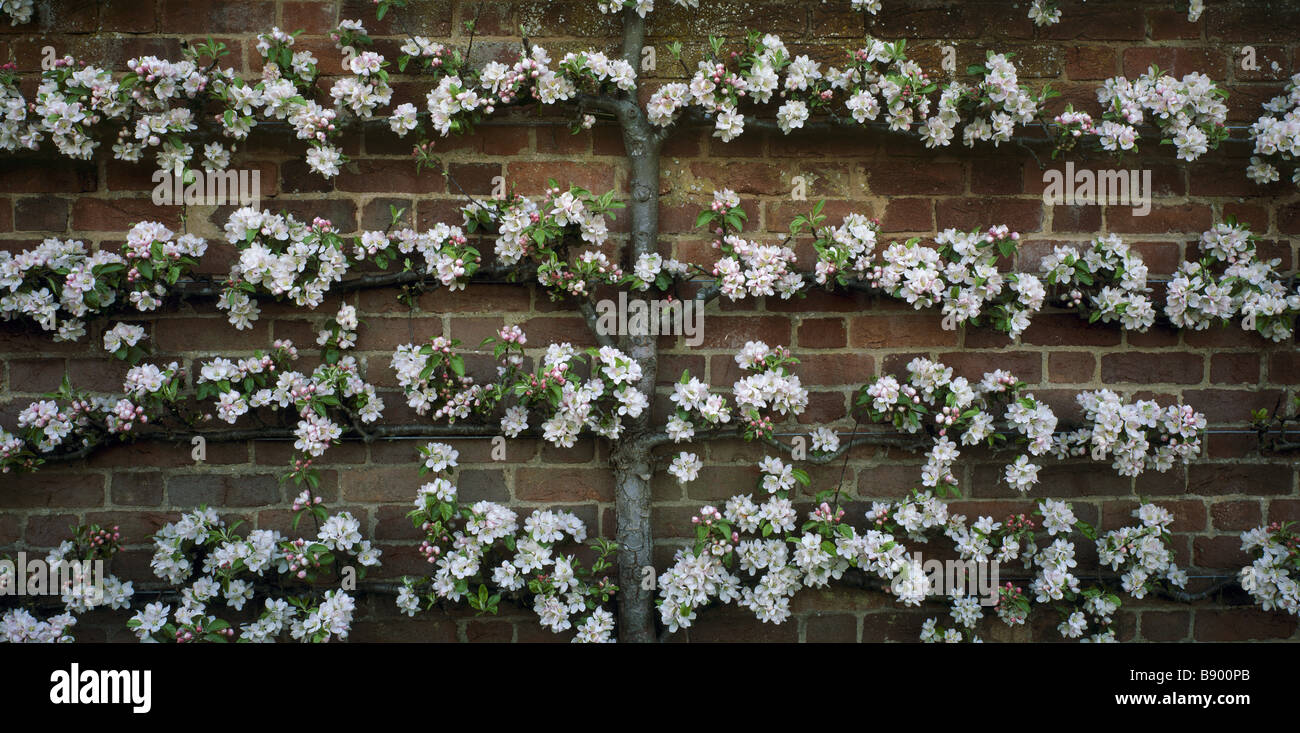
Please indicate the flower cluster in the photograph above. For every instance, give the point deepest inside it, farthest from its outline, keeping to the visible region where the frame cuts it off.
(433, 377)
(76, 568)
(1229, 280)
(1111, 276)
(961, 274)
(756, 555)
(482, 553)
(215, 564)
(1143, 552)
(652, 270)
(708, 571)
(642, 7)
(59, 284)
(746, 268)
(770, 388)
(686, 467)
(153, 104)
(717, 89)
(544, 233)
(954, 412)
(19, 11)
(1189, 112)
(74, 98)
(15, 133)
(70, 419)
(1271, 579)
(464, 95)
(340, 333)
(1044, 12)
(1276, 134)
(1070, 127)
(755, 270)
(366, 89)
(1139, 435)
(962, 411)
(878, 78)
(285, 91)
(992, 108)
(266, 380)
(984, 544)
(598, 403)
(769, 392)
(283, 257)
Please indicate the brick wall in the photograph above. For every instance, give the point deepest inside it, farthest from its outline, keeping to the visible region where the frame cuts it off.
(842, 340)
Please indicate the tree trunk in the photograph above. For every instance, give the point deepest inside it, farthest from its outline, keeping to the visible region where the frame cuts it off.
(632, 472)
(631, 459)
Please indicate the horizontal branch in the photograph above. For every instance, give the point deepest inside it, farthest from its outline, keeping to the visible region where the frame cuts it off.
(858, 580)
(879, 439)
(207, 288)
(695, 117)
(369, 434)
(589, 315)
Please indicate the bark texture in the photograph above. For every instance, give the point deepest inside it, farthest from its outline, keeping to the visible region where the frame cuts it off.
(631, 456)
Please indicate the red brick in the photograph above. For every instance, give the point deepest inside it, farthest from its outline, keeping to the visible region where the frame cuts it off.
(1236, 516)
(44, 214)
(561, 485)
(834, 628)
(530, 179)
(1234, 368)
(970, 213)
(822, 333)
(1152, 368)
(877, 331)
(1071, 367)
(908, 215)
(1165, 625)
(929, 180)
(1090, 62)
(27, 176)
(1242, 624)
(47, 488)
(312, 18)
(227, 16)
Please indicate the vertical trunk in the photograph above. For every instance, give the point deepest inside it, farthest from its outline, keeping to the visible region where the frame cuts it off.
(632, 472)
(631, 457)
